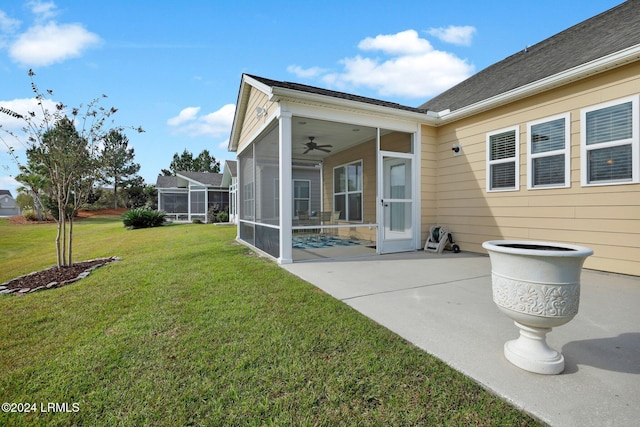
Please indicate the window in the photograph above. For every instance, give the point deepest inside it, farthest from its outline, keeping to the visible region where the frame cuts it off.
(548, 152)
(503, 169)
(174, 202)
(301, 196)
(609, 145)
(247, 201)
(197, 202)
(347, 191)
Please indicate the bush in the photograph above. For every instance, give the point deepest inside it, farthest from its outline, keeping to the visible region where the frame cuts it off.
(196, 221)
(222, 217)
(143, 218)
(30, 215)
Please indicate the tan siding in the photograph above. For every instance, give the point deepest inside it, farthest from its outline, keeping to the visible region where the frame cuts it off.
(428, 180)
(252, 123)
(605, 218)
(366, 152)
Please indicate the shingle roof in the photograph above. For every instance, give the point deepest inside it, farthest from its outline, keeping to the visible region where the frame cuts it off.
(5, 192)
(604, 34)
(334, 94)
(209, 179)
(166, 181)
(206, 178)
(232, 167)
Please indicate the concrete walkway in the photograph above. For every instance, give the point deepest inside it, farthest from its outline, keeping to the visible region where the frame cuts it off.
(443, 305)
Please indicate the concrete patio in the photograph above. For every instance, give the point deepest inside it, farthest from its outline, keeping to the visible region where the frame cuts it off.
(443, 305)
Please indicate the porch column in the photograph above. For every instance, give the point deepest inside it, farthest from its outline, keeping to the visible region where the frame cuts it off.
(286, 218)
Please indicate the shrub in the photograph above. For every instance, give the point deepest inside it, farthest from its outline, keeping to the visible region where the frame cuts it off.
(143, 218)
(30, 215)
(196, 221)
(222, 217)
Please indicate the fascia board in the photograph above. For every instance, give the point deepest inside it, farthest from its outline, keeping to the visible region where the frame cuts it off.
(279, 94)
(605, 63)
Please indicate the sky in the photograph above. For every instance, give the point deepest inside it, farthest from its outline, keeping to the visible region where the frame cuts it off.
(174, 68)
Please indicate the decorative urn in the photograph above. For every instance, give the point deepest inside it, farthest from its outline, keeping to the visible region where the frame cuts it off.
(537, 284)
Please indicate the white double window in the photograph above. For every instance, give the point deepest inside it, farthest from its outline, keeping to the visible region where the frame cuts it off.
(301, 196)
(503, 165)
(347, 191)
(609, 143)
(549, 152)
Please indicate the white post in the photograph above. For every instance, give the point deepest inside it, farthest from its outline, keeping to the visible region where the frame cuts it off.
(286, 215)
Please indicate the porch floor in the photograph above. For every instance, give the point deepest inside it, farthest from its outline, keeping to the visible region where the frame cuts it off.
(307, 248)
(443, 304)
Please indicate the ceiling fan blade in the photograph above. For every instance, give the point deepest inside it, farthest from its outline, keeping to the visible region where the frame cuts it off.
(307, 150)
(322, 149)
(323, 146)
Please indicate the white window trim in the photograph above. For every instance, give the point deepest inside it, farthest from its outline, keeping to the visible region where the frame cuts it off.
(516, 158)
(347, 192)
(293, 195)
(634, 141)
(566, 151)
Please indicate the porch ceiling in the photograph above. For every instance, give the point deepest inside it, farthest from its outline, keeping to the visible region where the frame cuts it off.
(340, 135)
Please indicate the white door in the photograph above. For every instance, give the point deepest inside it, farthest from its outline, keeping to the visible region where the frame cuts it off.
(397, 204)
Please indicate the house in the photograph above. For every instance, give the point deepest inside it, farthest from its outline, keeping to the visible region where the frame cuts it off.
(189, 195)
(230, 181)
(544, 145)
(8, 205)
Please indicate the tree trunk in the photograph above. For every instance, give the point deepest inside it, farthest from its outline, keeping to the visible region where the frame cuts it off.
(69, 258)
(60, 221)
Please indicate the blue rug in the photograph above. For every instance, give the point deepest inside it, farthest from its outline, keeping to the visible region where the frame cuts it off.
(323, 242)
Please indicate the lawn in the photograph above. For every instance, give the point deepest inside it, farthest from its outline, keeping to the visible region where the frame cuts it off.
(190, 328)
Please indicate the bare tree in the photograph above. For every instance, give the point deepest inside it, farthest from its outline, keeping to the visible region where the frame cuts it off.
(64, 145)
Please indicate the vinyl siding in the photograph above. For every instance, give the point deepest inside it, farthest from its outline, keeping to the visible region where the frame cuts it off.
(365, 152)
(604, 218)
(252, 124)
(429, 180)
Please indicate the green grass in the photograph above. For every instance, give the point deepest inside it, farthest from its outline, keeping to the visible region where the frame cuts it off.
(192, 329)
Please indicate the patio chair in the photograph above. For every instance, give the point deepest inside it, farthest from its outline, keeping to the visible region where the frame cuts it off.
(325, 218)
(304, 219)
(335, 216)
(437, 240)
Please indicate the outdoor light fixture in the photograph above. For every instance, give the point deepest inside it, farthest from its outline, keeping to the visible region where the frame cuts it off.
(457, 149)
(261, 111)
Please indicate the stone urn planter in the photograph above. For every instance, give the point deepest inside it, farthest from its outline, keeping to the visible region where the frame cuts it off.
(537, 284)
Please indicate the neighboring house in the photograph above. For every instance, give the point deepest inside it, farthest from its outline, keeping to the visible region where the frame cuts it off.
(8, 205)
(544, 145)
(230, 181)
(189, 195)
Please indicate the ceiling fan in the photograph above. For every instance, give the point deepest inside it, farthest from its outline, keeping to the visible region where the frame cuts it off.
(313, 146)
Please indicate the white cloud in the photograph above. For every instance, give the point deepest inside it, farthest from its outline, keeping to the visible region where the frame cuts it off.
(47, 44)
(186, 115)
(9, 183)
(403, 43)
(42, 10)
(46, 41)
(23, 106)
(410, 68)
(306, 73)
(455, 35)
(8, 25)
(212, 125)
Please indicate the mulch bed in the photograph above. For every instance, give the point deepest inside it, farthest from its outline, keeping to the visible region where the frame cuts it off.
(21, 220)
(53, 277)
